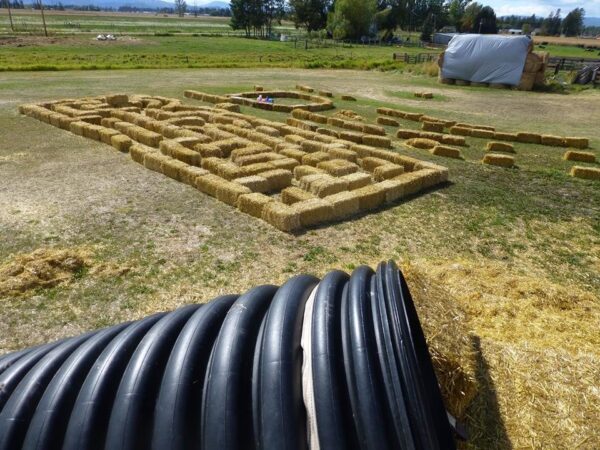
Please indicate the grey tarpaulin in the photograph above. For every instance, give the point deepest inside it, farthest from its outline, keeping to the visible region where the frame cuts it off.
(486, 58)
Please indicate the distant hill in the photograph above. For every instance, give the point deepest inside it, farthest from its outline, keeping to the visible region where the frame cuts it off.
(142, 4)
(591, 21)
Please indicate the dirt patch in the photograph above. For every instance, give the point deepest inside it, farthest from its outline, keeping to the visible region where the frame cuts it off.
(42, 269)
(348, 114)
(41, 41)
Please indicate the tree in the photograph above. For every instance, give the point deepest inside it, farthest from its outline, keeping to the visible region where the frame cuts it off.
(180, 7)
(352, 18)
(485, 21)
(456, 11)
(552, 24)
(573, 23)
(427, 29)
(310, 14)
(469, 16)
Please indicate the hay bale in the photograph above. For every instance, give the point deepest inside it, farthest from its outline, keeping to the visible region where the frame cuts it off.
(281, 216)
(370, 197)
(228, 170)
(411, 182)
(425, 144)
(483, 134)
(208, 151)
(453, 140)
(343, 153)
(293, 194)
(229, 192)
(319, 118)
(577, 142)
(328, 132)
(302, 171)
(304, 88)
(553, 141)
(311, 146)
(387, 121)
(149, 138)
(461, 131)
(512, 137)
(106, 135)
(352, 136)
(293, 153)
(313, 211)
(348, 98)
(188, 174)
(270, 131)
(253, 204)
(387, 171)
(153, 161)
(211, 164)
(301, 114)
(529, 138)
(252, 159)
(172, 168)
(326, 94)
(77, 127)
(344, 204)
(324, 185)
(394, 189)
(255, 183)
(500, 147)
(376, 130)
(258, 88)
(448, 152)
(117, 100)
(338, 167)
(312, 159)
(277, 179)
(285, 163)
(377, 141)
(369, 163)
(253, 149)
(573, 155)
(178, 151)
(138, 151)
(499, 160)
(433, 126)
(121, 142)
(587, 173)
(209, 184)
(92, 132)
(407, 134)
(357, 180)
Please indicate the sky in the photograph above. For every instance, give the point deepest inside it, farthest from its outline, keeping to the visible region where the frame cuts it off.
(542, 7)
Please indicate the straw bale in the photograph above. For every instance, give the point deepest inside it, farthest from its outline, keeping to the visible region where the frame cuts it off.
(344, 204)
(499, 160)
(577, 142)
(312, 159)
(352, 136)
(278, 179)
(304, 88)
(65, 122)
(228, 170)
(387, 171)
(505, 136)
(241, 123)
(294, 139)
(106, 135)
(138, 151)
(121, 142)
(587, 173)
(338, 167)
(252, 149)
(453, 140)
(343, 153)
(229, 192)
(319, 118)
(188, 174)
(117, 100)
(573, 155)
(336, 122)
(411, 182)
(208, 150)
(171, 167)
(153, 161)
(302, 171)
(293, 194)
(180, 121)
(268, 130)
(228, 106)
(285, 163)
(300, 124)
(370, 163)
(387, 121)
(301, 114)
(484, 134)
(92, 118)
(373, 129)
(377, 141)
(448, 152)
(357, 180)
(293, 153)
(362, 151)
(554, 141)
(149, 138)
(109, 122)
(209, 184)
(370, 197)
(429, 177)
(461, 131)
(92, 132)
(425, 144)
(191, 142)
(394, 189)
(311, 146)
(433, 126)
(55, 119)
(326, 93)
(427, 95)
(178, 151)
(253, 204)
(281, 216)
(529, 138)
(500, 147)
(328, 132)
(313, 211)
(407, 134)
(252, 159)
(348, 98)
(77, 127)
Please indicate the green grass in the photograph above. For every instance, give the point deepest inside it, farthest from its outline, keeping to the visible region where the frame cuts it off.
(568, 51)
(153, 52)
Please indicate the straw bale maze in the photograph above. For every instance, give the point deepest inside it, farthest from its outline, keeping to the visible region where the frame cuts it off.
(293, 176)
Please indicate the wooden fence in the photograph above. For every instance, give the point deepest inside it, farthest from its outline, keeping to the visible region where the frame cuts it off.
(415, 58)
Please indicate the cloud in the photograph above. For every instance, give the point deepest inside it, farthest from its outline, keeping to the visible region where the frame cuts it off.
(542, 7)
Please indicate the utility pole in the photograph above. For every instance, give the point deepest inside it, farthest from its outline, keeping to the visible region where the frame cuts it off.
(12, 28)
(43, 18)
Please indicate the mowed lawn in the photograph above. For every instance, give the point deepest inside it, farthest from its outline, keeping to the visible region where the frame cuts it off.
(517, 249)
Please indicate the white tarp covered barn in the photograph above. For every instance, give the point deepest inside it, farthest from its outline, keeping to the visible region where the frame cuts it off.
(485, 58)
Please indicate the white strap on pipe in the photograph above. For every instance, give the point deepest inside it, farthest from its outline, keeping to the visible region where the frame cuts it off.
(307, 374)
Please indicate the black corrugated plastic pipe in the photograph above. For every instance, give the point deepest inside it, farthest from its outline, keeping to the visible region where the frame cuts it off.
(237, 373)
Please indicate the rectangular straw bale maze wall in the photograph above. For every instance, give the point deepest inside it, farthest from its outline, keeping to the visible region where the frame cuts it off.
(290, 177)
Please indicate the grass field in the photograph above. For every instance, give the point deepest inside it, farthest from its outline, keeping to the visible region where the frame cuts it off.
(517, 249)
